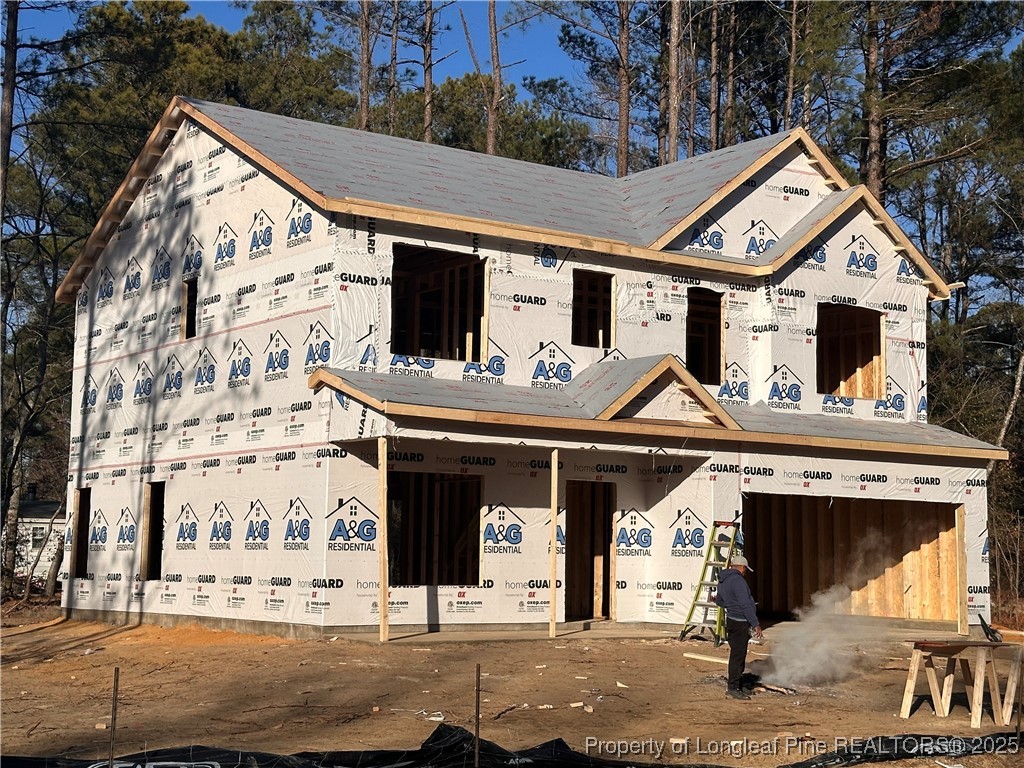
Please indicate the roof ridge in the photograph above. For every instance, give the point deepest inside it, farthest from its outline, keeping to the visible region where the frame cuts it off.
(199, 103)
(770, 140)
(615, 187)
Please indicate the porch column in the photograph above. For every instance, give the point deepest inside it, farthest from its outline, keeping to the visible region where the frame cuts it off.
(382, 534)
(962, 627)
(554, 542)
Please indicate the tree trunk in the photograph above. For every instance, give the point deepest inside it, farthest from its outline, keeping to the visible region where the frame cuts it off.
(428, 72)
(365, 65)
(805, 37)
(871, 148)
(28, 400)
(730, 81)
(7, 102)
(10, 536)
(1018, 382)
(622, 148)
(787, 116)
(396, 15)
(714, 96)
(664, 34)
(54, 572)
(674, 84)
(691, 68)
(493, 114)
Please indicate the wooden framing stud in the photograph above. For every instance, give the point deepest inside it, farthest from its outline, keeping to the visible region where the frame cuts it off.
(978, 694)
(933, 685)
(908, 690)
(552, 620)
(993, 687)
(948, 679)
(962, 627)
(1012, 683)
(382, 534)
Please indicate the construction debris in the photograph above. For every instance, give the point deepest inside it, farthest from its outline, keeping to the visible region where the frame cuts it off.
(775, 688)
(702, 657)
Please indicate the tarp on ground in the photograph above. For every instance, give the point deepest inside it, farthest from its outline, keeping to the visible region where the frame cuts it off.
(453, 747)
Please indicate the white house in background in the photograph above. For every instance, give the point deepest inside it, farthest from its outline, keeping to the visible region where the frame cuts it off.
(331, 379)
(36, 534)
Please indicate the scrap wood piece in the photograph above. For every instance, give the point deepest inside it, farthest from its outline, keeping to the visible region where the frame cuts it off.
(702, 657)
(776, 688)
(510, 708)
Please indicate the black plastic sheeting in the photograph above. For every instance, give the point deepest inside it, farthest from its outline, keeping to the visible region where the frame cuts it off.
(452, 747)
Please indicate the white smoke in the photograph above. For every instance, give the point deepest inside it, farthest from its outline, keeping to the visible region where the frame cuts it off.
(822, 647)
(816, 650)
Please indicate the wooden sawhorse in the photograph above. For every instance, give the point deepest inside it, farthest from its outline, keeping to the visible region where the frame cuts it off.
(984, 668)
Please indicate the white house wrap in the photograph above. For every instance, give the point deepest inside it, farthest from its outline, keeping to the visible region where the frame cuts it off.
(736, 336)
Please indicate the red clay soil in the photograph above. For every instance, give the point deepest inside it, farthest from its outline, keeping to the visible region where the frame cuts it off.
(192, 685)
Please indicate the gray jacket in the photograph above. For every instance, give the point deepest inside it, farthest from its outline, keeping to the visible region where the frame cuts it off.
(734, 595)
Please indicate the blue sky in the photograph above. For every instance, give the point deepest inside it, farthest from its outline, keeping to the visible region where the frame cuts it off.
(537, 49)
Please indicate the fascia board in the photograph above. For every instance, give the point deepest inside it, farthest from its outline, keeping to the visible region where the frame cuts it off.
(799, 135)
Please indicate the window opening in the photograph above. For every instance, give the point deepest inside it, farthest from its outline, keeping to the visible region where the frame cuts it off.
(434, 528)
(591, 309)
(704, 335)
(190, 301)
(849, 351)
(437, 307)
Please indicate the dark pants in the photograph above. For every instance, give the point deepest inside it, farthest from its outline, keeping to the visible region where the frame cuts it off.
(738, 635)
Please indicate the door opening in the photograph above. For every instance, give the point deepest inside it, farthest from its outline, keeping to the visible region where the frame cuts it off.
(80, 543)
(588, 549)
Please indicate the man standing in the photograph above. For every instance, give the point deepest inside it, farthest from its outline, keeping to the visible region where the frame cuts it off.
(740, 616)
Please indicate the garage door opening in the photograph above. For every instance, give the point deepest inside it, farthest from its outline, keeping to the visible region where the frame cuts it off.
(434, 529)
(898, 558)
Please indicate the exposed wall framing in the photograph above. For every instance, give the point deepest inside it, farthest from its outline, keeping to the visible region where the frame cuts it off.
(152, 532)
(434, 526)
(438, 300)
(889, 553)
(850, 341)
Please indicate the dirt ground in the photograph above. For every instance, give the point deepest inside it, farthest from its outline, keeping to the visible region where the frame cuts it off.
(196, 686)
